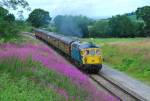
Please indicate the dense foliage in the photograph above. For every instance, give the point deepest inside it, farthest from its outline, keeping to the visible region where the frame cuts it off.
(144, 13)
(7, 21)
(117, 26)
(72, 25)
(99, 29)
(121, 26)
(9, 27)
(135, 24)
(39, 18)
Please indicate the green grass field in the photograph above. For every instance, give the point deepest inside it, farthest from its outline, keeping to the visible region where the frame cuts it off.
(130, 55)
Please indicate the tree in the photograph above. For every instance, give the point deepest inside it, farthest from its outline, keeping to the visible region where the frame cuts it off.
(121, 26)
(10, 18)
(4, 15)
(3, 12)
(99, 29)
(14, 4)
(144, 13)
(138, 29)
(8, 26)
(39, 17)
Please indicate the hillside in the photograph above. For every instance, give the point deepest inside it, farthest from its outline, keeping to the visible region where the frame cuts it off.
(32, 71)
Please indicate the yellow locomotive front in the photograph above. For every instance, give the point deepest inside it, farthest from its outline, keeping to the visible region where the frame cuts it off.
(87, 55)
(91, 56)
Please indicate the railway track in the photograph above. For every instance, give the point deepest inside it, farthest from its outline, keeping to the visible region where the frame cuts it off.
(114, 89)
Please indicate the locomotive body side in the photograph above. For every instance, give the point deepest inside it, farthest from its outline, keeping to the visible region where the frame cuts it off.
(65, 45)
(58, 41)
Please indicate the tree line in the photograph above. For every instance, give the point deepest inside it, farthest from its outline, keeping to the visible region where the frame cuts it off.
(79, 26)
(116, 26)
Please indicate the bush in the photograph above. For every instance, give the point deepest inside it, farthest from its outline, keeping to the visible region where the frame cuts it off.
(13, 29)
(9, 27)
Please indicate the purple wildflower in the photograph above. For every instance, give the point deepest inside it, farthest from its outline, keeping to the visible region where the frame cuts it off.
(50, 59)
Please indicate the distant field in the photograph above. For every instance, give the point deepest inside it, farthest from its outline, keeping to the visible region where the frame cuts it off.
(130, 55)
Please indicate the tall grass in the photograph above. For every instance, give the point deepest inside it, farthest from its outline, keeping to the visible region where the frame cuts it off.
(48, 70)
(29, 80)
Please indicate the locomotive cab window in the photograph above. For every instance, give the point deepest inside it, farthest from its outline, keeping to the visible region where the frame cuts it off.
(84, 52)
(92, 52)
(97, 52)
(87, 52)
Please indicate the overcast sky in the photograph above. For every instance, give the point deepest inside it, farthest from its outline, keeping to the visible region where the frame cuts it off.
(90, 8)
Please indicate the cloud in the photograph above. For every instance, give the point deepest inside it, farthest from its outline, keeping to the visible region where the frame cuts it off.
(91, 8)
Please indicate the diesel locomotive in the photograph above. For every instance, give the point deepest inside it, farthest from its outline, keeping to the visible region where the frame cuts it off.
(86, 55)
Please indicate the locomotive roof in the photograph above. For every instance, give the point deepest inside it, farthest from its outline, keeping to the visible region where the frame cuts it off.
(63, 38)
(67, 40)
(54, 35)
(84, 45)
